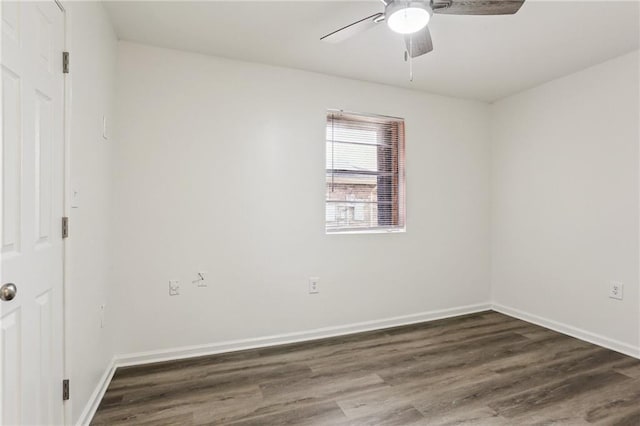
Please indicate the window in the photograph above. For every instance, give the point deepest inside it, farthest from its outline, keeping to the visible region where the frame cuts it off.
(365, 173)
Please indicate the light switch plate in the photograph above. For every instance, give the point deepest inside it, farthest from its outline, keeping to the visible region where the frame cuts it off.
(75, 198)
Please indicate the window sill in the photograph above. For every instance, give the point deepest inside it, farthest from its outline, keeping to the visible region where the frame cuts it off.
(368, 231)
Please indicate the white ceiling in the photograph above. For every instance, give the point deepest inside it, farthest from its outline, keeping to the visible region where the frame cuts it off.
(477, 57)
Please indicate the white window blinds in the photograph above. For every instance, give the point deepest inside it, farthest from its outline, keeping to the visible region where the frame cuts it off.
(364, 173)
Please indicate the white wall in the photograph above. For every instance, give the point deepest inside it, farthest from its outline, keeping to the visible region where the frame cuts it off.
(220, 167)
(93, 47)
(565, 200)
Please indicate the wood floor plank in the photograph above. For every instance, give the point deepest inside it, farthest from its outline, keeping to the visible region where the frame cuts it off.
(480, 369)
(630, 367)
(225, 404)
(465, 394)
(393, 416)
(317, 414)
(480, 415)
(556, 393)
(375, 403)
(588, 406)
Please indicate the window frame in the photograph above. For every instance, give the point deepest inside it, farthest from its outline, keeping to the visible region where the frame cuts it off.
(397, 160)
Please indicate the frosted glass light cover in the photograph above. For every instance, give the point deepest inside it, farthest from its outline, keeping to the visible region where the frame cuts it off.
(408, 20)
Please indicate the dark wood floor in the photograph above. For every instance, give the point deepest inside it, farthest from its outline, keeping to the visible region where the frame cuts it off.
(484, 369)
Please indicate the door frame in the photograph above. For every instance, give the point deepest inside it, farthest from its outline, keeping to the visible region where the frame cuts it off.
(67, 411)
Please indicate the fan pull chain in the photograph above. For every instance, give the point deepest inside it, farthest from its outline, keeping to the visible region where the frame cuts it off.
(410, 68)
(410, 58)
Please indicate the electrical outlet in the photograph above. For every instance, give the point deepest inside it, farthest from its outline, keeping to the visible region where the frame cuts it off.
(616, 290)
(314, 285)
(174, 288)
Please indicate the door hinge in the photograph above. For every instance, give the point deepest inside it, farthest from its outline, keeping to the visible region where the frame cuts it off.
(65, 227)
(65, 389)
(65, 62)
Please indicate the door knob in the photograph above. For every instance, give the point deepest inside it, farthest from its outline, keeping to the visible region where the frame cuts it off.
(8, 291)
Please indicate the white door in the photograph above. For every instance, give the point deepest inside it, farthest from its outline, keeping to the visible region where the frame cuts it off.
(32, 199)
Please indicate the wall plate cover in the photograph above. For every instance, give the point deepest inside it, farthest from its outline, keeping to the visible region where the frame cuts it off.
(616, 290)
(201, 280)
(174, 288)
(75, 198)
(314, 285)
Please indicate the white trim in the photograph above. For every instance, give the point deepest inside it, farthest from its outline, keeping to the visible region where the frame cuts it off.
(569, 330)
(300, 336)
(96, 397)
(66, 249)
(638, 177)
(141, 358)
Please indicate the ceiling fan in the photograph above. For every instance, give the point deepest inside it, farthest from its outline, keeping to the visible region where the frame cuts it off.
(410, 18)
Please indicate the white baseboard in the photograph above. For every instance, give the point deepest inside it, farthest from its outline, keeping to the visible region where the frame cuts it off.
(301, 336)
(569, 330)
(141, 358)
(94, 400)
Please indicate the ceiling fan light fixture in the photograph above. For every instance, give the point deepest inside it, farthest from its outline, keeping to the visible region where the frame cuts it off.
(407, 17)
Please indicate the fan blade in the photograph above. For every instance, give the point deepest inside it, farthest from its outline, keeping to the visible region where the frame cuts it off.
(477, 7)
(350, 30)
(419, 43)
